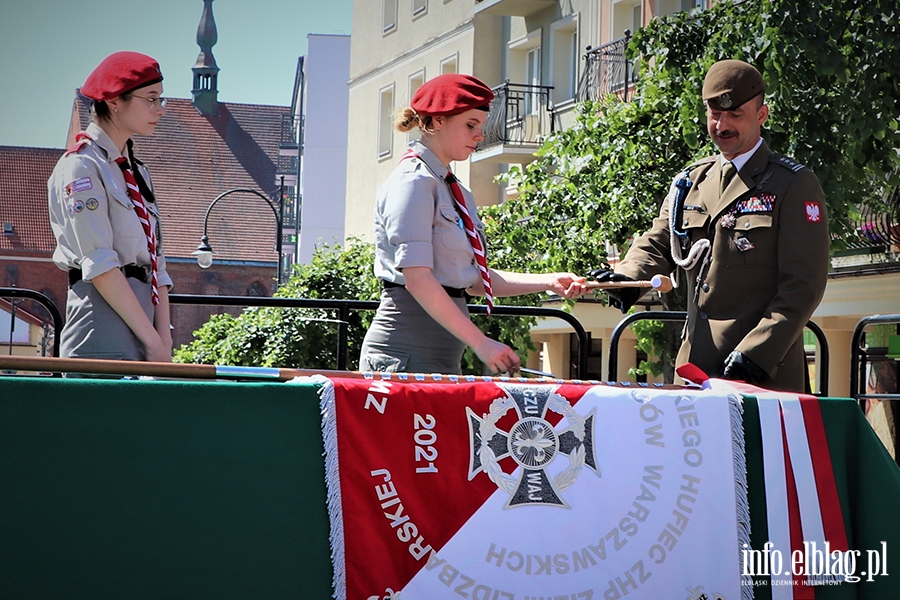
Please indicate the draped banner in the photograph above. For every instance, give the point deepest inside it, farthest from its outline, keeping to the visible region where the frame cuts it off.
(509, 490)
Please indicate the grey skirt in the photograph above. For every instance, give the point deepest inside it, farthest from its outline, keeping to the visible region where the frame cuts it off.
(94, 330)
(404, 338)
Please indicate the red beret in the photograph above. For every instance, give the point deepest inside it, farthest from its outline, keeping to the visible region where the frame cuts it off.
(451, 94)
(121, 72)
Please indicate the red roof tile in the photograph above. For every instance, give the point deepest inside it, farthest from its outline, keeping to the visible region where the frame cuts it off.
(193, 159)
(23, 199)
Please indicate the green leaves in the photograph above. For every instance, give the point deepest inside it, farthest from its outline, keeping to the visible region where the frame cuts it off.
(294, 337)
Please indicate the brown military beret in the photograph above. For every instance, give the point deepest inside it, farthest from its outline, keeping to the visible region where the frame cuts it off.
(730, 83)
(451, 94)
(119, 73)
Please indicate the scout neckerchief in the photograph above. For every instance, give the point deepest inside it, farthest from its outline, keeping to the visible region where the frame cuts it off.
(469, 226)
(140, 208)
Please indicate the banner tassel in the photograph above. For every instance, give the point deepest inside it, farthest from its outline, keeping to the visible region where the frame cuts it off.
(333, 481)
(740, 487)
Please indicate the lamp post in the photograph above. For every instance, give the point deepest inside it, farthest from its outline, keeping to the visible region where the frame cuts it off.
(204, 251)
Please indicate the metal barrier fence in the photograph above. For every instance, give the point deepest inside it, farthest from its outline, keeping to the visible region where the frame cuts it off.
(822, 360)
(11, 292)
(343, 308)
(860, 356)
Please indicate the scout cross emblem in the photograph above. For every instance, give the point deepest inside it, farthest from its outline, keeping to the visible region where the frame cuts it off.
(532, 443)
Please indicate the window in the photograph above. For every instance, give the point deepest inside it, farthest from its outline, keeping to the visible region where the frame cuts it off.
(415, 82)
(532, 78)
(385, 121)
(669, 7)
(564, 59)
(256, 289)
(525, 67)
(525, 59)
(448, 65)
(626, 15)
(389, 16)
(419, 7)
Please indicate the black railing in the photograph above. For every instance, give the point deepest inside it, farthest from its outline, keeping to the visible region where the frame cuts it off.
(822, 360)
(287, 165)
(879, 226)
(11, 292)
(606, 71)
(520, 115)
(861, 356)
(866, 359)
(288, 138)
(343, 308)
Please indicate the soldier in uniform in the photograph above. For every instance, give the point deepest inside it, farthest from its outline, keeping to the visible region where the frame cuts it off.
(748, 231)
(430, 245)
(106, 222)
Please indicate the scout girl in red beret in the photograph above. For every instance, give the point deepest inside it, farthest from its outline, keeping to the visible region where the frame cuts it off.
(103, 213)
(430, 246)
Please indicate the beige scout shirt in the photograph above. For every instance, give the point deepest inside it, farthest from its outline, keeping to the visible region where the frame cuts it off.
(767, 269)
(417, 225)
(93, 218)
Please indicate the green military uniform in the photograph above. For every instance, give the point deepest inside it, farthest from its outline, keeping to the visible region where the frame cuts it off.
(763, 274)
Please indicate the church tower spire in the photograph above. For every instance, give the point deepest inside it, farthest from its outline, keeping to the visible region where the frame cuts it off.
(205, 70)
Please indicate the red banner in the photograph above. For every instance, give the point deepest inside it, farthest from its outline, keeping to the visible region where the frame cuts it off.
(502, 490)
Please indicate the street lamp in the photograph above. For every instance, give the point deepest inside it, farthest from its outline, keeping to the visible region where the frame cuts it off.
(204, 251)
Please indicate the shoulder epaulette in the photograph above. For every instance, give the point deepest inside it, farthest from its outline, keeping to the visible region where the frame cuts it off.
(786, 162)
(701, 162)
(81, 140)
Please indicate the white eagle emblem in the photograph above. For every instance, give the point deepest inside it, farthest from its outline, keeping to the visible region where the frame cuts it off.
(813, 212)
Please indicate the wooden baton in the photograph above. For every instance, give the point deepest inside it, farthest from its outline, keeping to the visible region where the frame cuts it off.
(657, 282)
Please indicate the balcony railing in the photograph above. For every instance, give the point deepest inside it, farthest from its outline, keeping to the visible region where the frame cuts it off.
(877, 243)
(520, 115)
(881, 226)
(287, 143)
(287, 166)
(607, 71)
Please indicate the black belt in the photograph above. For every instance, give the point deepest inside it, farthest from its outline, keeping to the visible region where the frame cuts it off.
(133, 271)
(452, 292)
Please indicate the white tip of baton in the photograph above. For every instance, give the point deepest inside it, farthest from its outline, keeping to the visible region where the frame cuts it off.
(661, 283)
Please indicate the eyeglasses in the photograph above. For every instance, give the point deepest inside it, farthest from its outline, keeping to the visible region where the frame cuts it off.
(155, 103)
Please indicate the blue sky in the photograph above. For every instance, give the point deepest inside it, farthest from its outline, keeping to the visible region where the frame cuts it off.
(48, 47)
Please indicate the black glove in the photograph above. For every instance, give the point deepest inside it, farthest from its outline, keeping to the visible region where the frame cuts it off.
(622, 298)
(739, 367)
